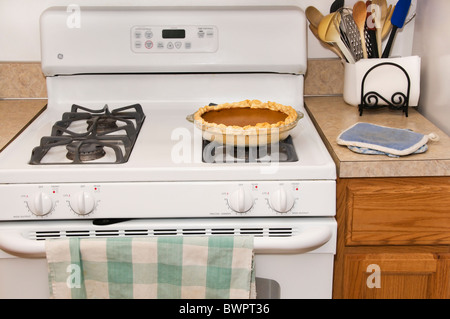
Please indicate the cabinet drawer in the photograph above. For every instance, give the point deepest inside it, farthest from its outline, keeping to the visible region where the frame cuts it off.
(398, 211)
(391, 276)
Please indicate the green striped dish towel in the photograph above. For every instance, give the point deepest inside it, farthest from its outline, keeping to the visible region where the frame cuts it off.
(208, 267)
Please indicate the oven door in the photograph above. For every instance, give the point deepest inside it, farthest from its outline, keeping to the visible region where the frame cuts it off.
(293, 256)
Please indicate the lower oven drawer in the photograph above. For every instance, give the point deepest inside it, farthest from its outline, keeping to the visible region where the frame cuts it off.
(293, 256)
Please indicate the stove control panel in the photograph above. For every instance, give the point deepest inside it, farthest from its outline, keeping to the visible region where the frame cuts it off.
(168, 200)
(174, 39)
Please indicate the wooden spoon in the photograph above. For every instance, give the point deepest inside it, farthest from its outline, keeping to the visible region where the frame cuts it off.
(387, 23)
(313, 15)
(329, 33)
(380, 16)
(329, 46)
(359, 15)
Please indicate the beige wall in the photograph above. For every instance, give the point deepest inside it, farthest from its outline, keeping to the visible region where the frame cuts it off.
(431, 42)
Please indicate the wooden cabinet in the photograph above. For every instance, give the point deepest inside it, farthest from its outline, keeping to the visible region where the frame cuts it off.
(395, 275)
(393, 238)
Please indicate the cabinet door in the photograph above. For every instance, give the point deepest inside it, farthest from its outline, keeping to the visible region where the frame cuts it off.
(390, 276)
(442, 278)
(398, 212)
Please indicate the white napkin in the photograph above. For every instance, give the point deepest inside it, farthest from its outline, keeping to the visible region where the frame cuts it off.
(385, 80)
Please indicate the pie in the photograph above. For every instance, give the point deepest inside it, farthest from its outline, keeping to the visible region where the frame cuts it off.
(247, 115)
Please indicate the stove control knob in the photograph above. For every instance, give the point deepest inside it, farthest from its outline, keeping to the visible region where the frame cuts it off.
(281, 200)
(240, 200)
(41, 204)
(82, 203)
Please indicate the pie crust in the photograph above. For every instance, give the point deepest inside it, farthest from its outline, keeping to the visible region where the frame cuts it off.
(265, 121)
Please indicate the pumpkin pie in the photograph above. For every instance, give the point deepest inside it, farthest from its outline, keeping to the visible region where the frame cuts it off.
(246, 115)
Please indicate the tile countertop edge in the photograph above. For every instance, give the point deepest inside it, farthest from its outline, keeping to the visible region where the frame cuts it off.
(331, 116)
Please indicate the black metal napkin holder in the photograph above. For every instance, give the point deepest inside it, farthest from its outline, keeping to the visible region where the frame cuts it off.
(398, 101)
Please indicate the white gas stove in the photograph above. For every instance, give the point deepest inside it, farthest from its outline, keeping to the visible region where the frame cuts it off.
(97, 68)
(74, 170)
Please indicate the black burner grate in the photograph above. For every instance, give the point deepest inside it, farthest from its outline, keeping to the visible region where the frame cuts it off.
(283, 151)
(101, 130)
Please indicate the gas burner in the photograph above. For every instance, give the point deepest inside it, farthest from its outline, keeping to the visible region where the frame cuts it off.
(280, 152)
(102, 124)
(86, 151)
(91, 136)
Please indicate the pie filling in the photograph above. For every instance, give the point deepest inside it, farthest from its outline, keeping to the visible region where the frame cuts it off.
(244, 116)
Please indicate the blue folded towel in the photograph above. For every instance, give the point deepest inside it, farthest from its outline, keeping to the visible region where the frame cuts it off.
(369, 138)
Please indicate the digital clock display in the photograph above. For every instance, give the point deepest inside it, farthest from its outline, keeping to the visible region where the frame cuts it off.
(174, 34)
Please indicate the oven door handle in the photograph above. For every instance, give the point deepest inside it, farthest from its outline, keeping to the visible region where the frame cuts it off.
(14, 243)
(308, 240)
